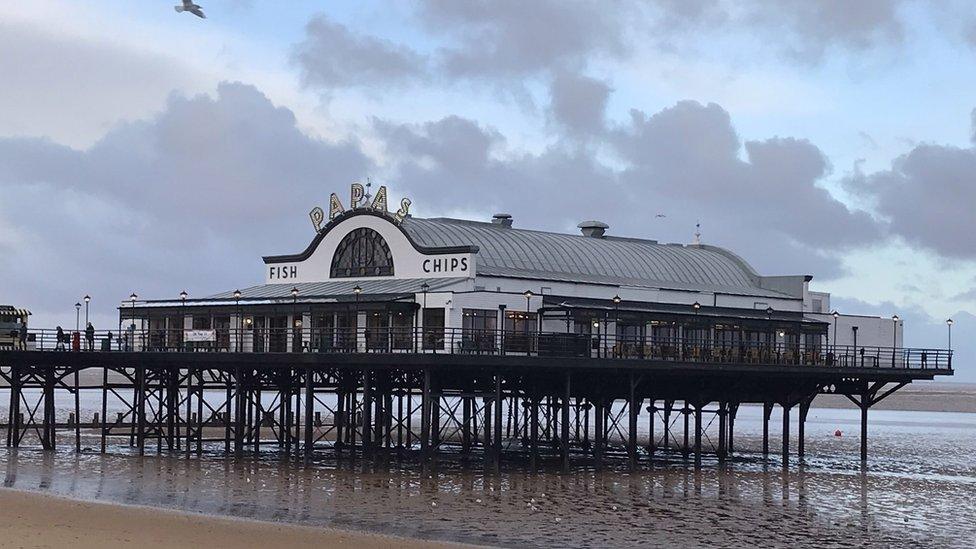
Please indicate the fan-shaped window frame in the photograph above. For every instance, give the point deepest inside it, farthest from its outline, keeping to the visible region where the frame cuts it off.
(362, 253)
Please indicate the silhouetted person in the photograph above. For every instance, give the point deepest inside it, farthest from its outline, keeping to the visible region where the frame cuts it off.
(23, 336)
(90, 337)
(60, 344)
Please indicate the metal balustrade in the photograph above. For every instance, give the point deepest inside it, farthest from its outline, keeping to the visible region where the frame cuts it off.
(489, 342)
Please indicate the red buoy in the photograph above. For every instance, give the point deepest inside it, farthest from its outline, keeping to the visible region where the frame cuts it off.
(837, 433)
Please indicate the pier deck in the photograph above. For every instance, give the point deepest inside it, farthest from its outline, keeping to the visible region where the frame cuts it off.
(552, 404)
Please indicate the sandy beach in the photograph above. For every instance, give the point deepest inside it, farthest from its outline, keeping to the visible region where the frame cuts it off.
(31, 519)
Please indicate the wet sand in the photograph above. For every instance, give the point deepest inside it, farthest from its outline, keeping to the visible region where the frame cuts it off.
(30, 519)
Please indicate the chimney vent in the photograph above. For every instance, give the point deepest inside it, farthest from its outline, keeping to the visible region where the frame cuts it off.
(503, 219)
(595, 229)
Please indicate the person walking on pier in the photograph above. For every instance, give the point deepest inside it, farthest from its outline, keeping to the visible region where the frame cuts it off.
(90, 337)
(22, 339)
(59, 346)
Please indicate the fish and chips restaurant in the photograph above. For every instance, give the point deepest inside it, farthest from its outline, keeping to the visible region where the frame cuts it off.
(375, 280)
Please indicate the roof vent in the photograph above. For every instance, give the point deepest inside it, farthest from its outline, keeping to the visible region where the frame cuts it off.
(503, 219)
(595, 229)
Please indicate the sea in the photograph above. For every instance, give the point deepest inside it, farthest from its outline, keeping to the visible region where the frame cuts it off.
(918, 489)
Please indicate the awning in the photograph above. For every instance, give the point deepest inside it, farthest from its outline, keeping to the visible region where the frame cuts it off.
(332, 291)
(556, 303)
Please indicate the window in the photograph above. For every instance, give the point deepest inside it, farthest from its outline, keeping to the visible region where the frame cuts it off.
(479, 327)
(362, 252)
(434, 328)
(520, 328)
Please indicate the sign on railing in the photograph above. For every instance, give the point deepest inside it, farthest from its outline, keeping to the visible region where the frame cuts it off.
(199, 336)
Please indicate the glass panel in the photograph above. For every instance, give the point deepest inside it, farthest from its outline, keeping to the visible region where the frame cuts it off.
(520, 330)
(377, 332)
(434, 328)
(362, 252)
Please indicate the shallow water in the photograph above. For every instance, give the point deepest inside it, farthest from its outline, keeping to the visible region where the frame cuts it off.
(916, 491)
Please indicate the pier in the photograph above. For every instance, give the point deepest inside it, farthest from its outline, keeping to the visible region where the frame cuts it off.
(532, 397)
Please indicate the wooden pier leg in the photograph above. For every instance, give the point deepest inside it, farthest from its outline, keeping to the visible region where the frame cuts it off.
(598, 417)
(534, 432)
(698, 434)
(865, 404)
(686, 411)
(767, 410)
(652, 411)
(103, 419)
(257, 419)
(367, 412)
(722, 434)
(733, 409)
(228, 408)
(309, 410)
(141, 409)
(425, 414)
(564, 432)
(77, 412)
(633, 409)
(497, 439)
(668, 406)
(12, 408)
(15, 387)
(201, 421)
(50, 421)
(786, 434)
(239, 397)
(465, 426)
(189, 412)
(340, 418)
(800, 434)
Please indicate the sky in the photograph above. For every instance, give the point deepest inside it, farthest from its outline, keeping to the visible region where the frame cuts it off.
(148, 151)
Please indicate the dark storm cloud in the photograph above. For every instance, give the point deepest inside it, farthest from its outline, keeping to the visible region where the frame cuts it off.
(333, 56)
(683, 162)
(578, 103)
(927, 195)
(191, 197)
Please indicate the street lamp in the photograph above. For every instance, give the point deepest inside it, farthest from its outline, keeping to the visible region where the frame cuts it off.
(616, 328)
(949, 326)
(294, 312)
(836, 315)
(77, 316)
(528, 297)
(240, 325)
(894, 338)
(183, 296)
(87, 301)
(424, 288)
(132, 298)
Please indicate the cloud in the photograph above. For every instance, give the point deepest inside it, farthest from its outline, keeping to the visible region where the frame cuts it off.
(578, 103)
(497, 38)
(927, 197)
(192, 196)
(73, 90)
(683, 161)
(332, 56)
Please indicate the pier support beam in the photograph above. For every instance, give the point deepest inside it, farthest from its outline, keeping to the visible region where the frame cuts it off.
(767, 411)
(564, 427)
(786, 433)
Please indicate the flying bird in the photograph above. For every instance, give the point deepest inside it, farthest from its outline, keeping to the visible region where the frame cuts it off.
(189, 6)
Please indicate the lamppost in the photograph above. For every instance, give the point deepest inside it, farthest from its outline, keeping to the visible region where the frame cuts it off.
(183, 296)
(294, 312)
(87, 301)
(240, 321)
(854, 331)
(616, 321)
(949, 326)
(528, 298)
(424, 288)
(77, 316)
(836, 315)
(132, 298)
(894, 338)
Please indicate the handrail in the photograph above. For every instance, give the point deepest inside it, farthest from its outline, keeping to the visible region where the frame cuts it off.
(485, 342)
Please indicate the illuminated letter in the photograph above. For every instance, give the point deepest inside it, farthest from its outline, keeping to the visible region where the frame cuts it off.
(317, 216)
(335, 207)
(404, 210)
(379, 203)
(356, 195)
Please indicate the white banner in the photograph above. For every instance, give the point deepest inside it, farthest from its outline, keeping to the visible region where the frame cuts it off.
(200, 335)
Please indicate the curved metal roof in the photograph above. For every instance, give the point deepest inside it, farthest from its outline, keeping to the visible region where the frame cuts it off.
(506, 251)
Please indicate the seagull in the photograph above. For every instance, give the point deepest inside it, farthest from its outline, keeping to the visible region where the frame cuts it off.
(189, 6)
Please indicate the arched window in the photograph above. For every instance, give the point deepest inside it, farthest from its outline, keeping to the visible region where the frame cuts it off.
(362, 252)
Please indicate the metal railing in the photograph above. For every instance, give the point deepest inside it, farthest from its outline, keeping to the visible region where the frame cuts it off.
(486, 342)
